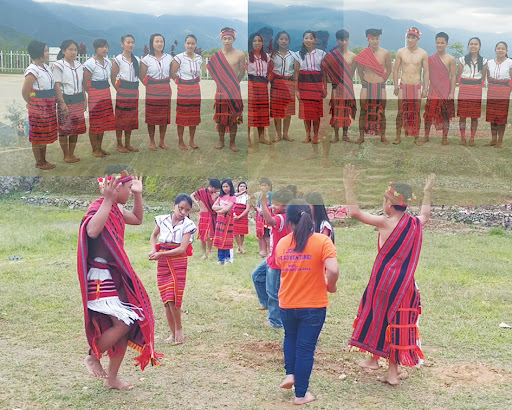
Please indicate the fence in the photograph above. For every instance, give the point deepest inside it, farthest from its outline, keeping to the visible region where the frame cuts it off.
(17, 61)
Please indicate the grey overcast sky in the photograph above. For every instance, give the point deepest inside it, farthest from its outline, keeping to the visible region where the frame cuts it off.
(480, 15)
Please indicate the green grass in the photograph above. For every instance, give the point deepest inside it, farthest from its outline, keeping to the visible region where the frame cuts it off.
(230, 359)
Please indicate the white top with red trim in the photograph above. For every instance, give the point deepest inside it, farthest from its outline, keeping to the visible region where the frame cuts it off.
(259, 67)
(158, 69)
(99, 72)
(126, 70)
(312, 61)
(71, 78)
(499, 71)
(190, 68)
(170, 233)
(44, 77)
(284, 65)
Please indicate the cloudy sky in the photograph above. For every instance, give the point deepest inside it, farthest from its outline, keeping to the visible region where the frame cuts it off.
(481, 15)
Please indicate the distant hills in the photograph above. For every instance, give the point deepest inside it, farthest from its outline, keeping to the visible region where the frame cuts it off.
(10, 39)
(53, 23)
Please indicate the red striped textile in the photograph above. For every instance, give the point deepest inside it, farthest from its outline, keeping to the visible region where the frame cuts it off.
(224, 232)
(73, 123)
(240, 226)
(158, 101)
(141, 335)
(342, 110)
(260, 226)
(282, 97)
(171, 275)
(391, 289)
(188, 104)
(258, 113)
(204, 228)
(469, 103)
(434, 109)
(127, 107)
(367, 59)
(206, 198)
(498, 100)
(375, 105)
(228, 98)
(99, 289)
(101, 114)
(410, 108)
(310, 90)
(42, 118)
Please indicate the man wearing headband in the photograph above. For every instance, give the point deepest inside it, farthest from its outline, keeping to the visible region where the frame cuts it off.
(117, 309)
(387, 320)
(440, 106)
(227, 68)
(411, 60)
(373, 68)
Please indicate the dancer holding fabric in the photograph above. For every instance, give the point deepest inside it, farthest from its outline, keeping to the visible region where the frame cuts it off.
(205, 198)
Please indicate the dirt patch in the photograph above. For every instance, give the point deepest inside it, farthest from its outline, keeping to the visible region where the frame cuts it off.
(238, 295)
(468, 375)
(256, 354)
(443, 226)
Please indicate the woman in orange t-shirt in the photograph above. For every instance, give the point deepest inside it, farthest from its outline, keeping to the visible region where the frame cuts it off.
(306, 259)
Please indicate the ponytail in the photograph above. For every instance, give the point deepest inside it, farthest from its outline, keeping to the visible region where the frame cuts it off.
(298, 215)
(135, 63)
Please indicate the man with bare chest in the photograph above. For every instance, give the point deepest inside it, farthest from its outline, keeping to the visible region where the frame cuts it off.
(373, 68)
(440, 106)
(410, 60)
(227, 68)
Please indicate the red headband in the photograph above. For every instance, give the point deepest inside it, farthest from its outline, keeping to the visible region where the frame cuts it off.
(414, 32)
(123, 178)
(228, 32)
(396, 198)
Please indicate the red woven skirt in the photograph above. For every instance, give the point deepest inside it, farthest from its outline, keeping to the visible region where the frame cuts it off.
(240, 226)
(172, 275)
(73, 122)
(223, 232)
(188, 104)
(258, 115)
(498, 100)
(158, 102)
(42, 118)
(282, 97)
(204, 227)
(101, 114)
(127, 106)
(310, 91)
(469, 103)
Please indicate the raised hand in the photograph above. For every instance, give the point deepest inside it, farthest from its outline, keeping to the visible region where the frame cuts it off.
(350, 176)
(137, 184)
(429, 183)
(110, 188)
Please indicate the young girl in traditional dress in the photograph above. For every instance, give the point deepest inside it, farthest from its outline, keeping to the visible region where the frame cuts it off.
(499, 73)
(155, 74)
(101, 115)
(39, 93)
(186, 69)
(240, 216)
(223, 240)
(257, 70)
(69, 77)
(320, 218)
(282, 86)
(472, 70)
(311, 87)
(125, 77)
(171, 245)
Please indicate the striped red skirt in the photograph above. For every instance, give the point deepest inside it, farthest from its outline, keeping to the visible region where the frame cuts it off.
(469, 103)
(435, 107)
(172, 275)
(204, 227)
(282, 97)
(258, 115)
(127, 106)
(223, 232)
(410, 108)
(310, 91)
(158, 102)
(73, 122)
(240, 226)
(341, 109)
(42, 118)
(101, 114)
(188, 104)
(261, 226)
(498, 100)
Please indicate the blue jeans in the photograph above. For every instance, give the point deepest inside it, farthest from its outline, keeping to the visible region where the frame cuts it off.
(259, 278)
(223, 255)
(301, 330)
(273, 282)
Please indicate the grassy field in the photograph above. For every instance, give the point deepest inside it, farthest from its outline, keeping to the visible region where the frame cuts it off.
(230, 360)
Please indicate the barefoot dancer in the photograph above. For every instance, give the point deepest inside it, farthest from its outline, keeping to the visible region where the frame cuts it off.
(223, 240)
(155, 74)
(69, 78)
(125, 77)
(262, 229)
(205, 198)
(387, 320)
(117, 309)
(101, 115)
(309, 269)
(472, 70)
(373, 68)
(411, 60)
(187, 70)
(171, 246)
(227, 70)
(440, 107)
(240, 216)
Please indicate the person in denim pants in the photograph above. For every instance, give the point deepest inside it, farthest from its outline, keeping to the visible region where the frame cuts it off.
(266, 277)
(306, 259)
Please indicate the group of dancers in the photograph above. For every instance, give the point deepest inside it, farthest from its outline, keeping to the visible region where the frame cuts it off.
(292, 283)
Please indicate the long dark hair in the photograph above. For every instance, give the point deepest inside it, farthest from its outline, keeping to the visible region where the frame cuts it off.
(64, 46)
(231, 187)
(505, 44)
(135, 63)
(151, 39)
(298, 215)
(480, 59)
(250, 49)
(303, 50)
(319, 212)
(275, 45)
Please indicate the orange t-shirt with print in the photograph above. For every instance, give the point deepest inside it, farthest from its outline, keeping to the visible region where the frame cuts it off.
(303, 274)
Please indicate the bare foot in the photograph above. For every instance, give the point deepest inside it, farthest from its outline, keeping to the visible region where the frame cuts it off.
(98, 154)
(288, 382)
(306, 140)
(46, 166)
(287, 138)
(234, 148)
(393, 381)
(490, 144)
(179, 337)
(445, 141)
(122, 149)
(265, 141)
(308, 398)
(370, 363)
(346, 139)
(193, 146)
(94, 367)
(277, 139)
(262, 308)
(472, 143)
(132, 149)
(243, 251)
(419, 143)
(398, 141)
(359, 141)
(498, 145)
(152, 147)
(72, 159)
(220, 145)
(315, 140)
(384, 140)
(104, 152)
(204, 257)
(117, 384)
(170, 339)
(182, 146)
(335, 140)
(463, 142)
